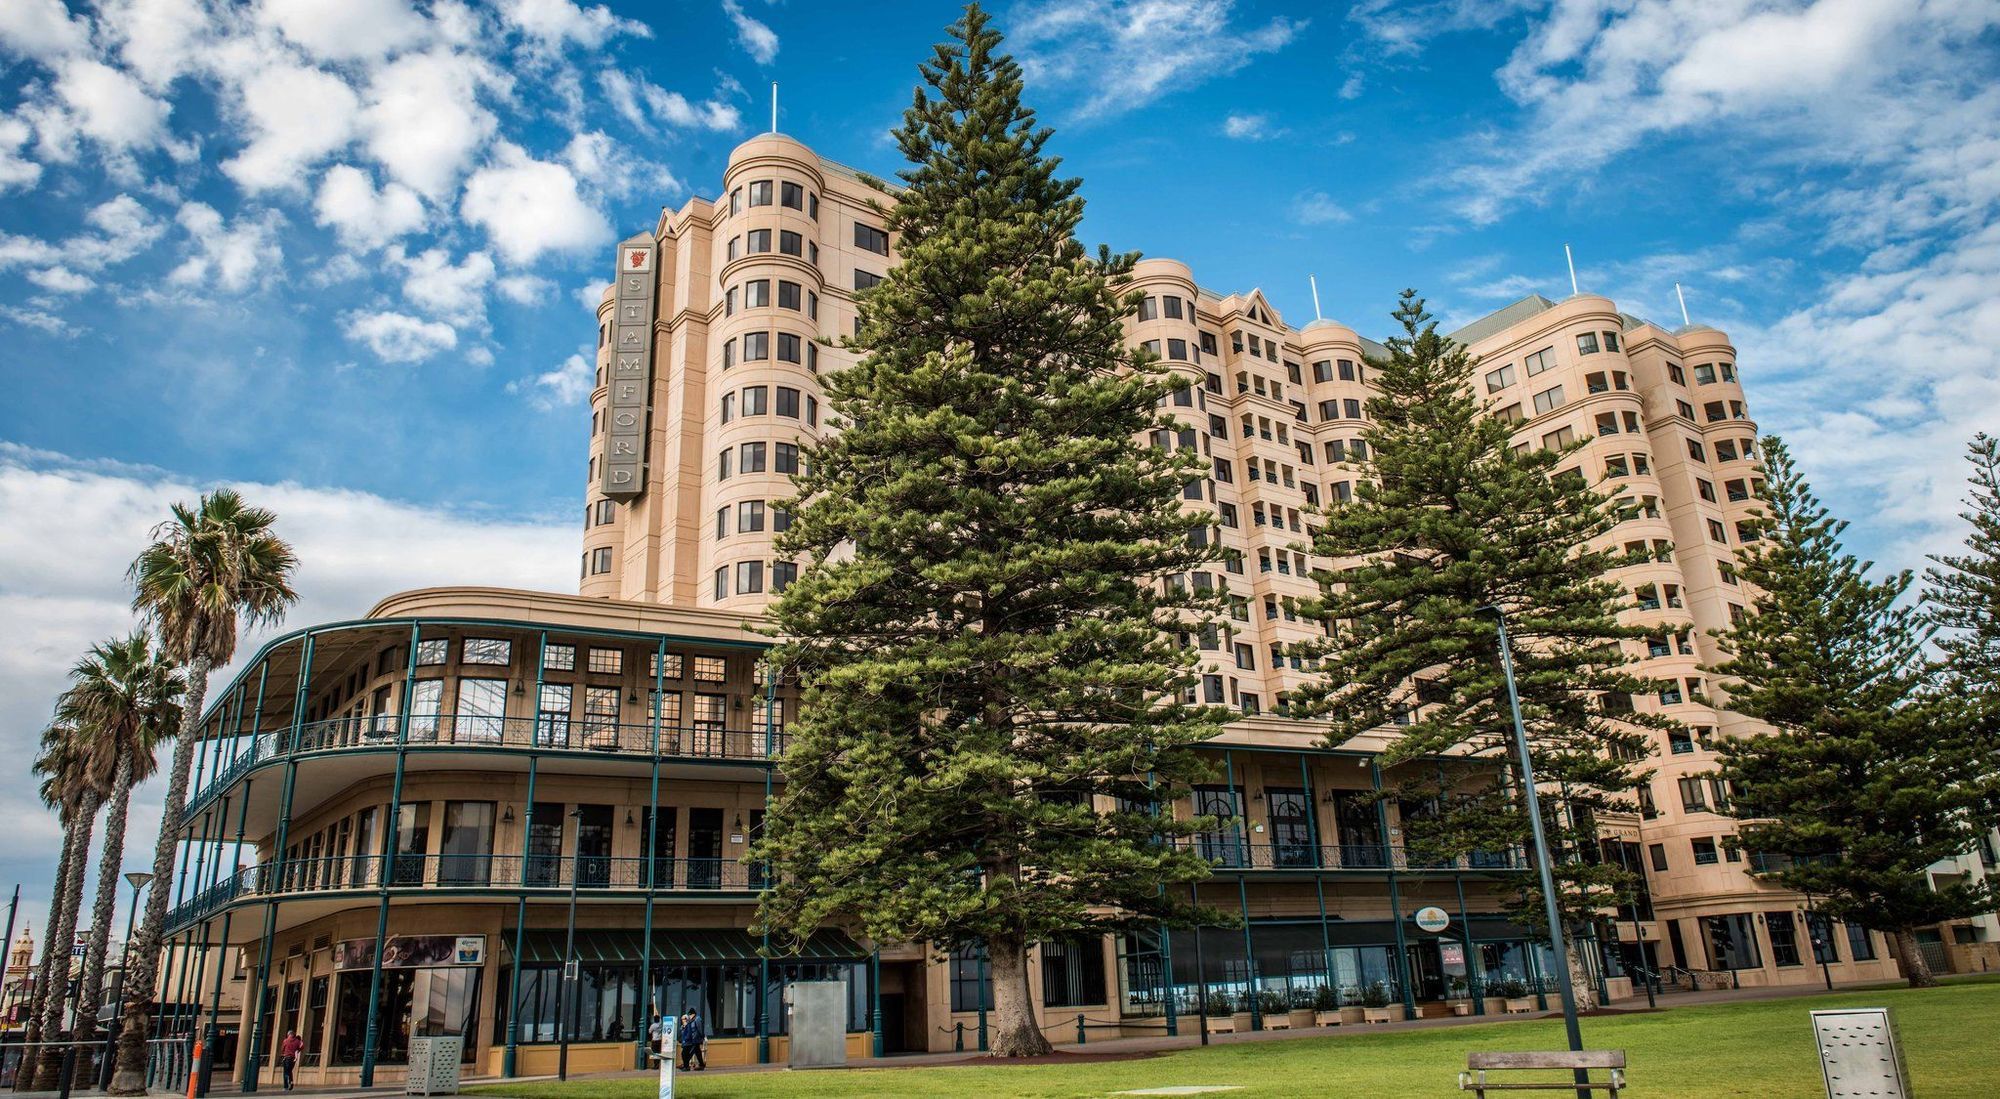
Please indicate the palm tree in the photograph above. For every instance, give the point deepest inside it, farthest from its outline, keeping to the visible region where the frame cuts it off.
(125, 699)
(68, 783)
(209, 567)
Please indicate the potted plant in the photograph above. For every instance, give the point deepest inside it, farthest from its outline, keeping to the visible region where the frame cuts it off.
(1326, 1006)
(1276, 1008)
(1459, 997)
(1514, 995)
(1375, 1003)
(1221, 1013)
(1245, 1022)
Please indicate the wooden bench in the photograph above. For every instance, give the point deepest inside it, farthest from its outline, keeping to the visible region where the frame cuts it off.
(1566, 1061)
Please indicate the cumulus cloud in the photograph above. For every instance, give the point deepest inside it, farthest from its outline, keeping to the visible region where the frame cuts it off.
(640, 102)
(297, 116)
(529, 207)
(345, 30)
(1124, 54)
(40, 28)
(399, 337)
(363, 217)
(563, 387)
(553, 23)
(424, 120)
(226, 257)
(74, 526)
(1317, 208)
(757, 39)
(1249, 127)
(433, 283)
(525, 289)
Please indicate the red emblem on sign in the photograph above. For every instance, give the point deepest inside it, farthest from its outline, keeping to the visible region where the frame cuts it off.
(638, 258)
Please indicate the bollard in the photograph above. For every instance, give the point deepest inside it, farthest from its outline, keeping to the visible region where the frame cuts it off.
(68, 1073)
(193, 1078)
(1080, 1039)
(958, 1036)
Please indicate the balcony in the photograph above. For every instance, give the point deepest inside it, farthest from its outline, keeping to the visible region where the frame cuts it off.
(363, 874)
(549, 733)
(1226, 853)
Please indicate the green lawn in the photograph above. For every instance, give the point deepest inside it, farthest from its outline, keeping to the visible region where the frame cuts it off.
(1761, 1049)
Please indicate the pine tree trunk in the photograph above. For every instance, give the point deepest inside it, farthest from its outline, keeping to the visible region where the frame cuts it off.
(142, 969)
(61, 936)
(1582, 984)
(105, 905)
(38, 998)
(1015, 1031)
(1911, 958)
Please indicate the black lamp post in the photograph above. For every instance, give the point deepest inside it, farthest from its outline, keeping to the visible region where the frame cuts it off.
(1542, 862)
(569, 974)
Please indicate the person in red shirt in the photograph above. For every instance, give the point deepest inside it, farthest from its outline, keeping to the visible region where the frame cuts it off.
(288, 1056)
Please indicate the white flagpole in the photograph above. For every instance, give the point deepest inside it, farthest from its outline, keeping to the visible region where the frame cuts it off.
(1571, 260)
(774, 106)
(1684, 305)
(1314, 279)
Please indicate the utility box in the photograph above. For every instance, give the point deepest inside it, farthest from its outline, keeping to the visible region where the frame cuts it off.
(1857, 1054)
(434, 1065)
(817, 1023)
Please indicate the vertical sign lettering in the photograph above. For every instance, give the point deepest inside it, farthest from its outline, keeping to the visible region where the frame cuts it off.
(631, 368)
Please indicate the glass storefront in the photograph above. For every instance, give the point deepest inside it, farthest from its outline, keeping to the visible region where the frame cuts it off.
(606, 1002)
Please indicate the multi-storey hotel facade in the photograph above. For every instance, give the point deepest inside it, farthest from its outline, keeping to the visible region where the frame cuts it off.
(411, 820)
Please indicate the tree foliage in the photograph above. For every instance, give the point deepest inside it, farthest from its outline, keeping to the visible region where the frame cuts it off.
(1962, 599)
(986, 643)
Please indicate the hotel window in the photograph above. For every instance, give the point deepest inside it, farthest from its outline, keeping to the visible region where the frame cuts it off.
(1586, 343)
(1558, 439)
(1150, 347)
(728, 354)
(1732, 941)
(1695, 451)
(782, 574)
(1717, 533)
(787, 458)
(812, 305)
(433, 650)
(487, 650)
(605, 661)
(670, 669)
(1323, 370)
(723, 464)
(790, 243)
(1704, 489)
(1704, 851)
(552, 715)
(788, 294)
(971, 990)
(606, 512)
(756, 346)
(870, 239)
(749, 577)
(1684, 409)
(1351, 407)
(1497, 380)
(1611, 341)
(757, 240)
(735, 247)
(559, 658)
(812, 402)
(792, 195)
(1177, 351)
(757, 294)
(1329, 410)
(736, 201)
(600, 561)
(1694, 799)
(1149, 309)
(710, 669)
(1249, 703)
(1704, 374)
(1678, 740)
(760, 193)
(1615, 466)
(788, 347)
(749, 516)
(1073, 968)
(753, 458)
(722, 522)
(1511, 414)
(1675, 375)
(1539, 361)
(812, 206)
(1173, 307)
(1208, 345)
(722, 583)
(1548, 399)
(863, 280)
(1860, 945)
(728, 407)
(1728, 372)
(788, 402)
(1349, 372)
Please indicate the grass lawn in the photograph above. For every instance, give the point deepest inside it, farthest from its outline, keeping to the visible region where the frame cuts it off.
(1762, 1049)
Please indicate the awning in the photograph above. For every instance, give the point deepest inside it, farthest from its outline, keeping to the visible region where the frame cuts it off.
(677, 946)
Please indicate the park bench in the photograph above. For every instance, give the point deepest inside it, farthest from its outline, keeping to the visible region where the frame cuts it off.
(1566, 1061)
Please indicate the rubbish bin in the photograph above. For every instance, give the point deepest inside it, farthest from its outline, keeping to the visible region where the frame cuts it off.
(433, 1065)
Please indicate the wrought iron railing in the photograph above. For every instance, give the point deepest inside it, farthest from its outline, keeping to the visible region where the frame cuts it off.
(1226, 853)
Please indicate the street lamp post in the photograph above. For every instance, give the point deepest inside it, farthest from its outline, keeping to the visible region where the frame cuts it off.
(1821, 947)
(569, 974)
(137, 879)
(1542, 861)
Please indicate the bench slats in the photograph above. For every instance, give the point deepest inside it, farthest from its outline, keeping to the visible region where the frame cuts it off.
(1550, 1059)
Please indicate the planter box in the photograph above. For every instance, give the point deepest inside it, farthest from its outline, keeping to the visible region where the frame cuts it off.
(1331, 1018)
(1302, 1018)
(1461, 1007)
(1379, 1014)
(1278, 1022)
(1516, 1006)
(1433, 1010)
(1495, 1005)
(1352, 1014)
(1244, 1023)
(1221, 1024)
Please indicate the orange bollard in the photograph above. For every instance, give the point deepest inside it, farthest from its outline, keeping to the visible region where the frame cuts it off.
(194, 1069)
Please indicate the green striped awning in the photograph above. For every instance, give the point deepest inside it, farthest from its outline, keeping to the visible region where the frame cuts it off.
(544, 946)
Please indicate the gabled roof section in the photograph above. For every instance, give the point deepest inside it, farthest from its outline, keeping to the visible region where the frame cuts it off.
(1502, 319)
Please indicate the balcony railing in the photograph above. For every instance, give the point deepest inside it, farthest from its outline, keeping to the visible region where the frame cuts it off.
(549, 733)
(297, 878)
(1227, 854)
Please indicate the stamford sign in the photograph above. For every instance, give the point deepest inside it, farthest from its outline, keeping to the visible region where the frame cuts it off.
(631, 369)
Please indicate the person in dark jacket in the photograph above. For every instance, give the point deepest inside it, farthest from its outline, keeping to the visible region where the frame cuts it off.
(694, 1040)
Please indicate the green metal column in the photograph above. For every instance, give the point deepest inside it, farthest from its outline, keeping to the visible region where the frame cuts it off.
(875, 993)
(1392, 853)
(652, 856)
(1166, 939)
(280, 878)
(985, 987)
(1200, 961)
(1325, 940)
(208, 825)
(389, 828)
(764, 951)
(215, 992)
(1237, 801)
(1472, 983)
(520, 916)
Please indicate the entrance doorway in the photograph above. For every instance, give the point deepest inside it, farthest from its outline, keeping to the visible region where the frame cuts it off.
(1426, 972)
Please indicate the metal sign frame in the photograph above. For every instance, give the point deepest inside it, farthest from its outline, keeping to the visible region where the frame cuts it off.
(1858, 1054)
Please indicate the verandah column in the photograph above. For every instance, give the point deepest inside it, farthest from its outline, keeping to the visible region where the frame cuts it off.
(1236, 801)
(764, 953)
(647, 843)
(281, 876)
(1393, 853)
(228, 914)
(1474, 987)
(373, 1033)
(507, 1059)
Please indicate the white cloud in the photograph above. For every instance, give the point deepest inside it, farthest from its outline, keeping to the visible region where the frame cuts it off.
(1317, 208)
(423, 118)
(60, 280)
(757, 39)
(345, 30)
(364, 218)
(227, 257)
(298, 116)
(158, 40)
(109, 106)
(525, 289)
(441, 288)
(1249, 127)
(529, 207)
(40, 319)
(1124, 54)
(19, 251)
(40, 29)
(551, 23)
(591, 294)
(74, 526)
(16, 170)
(566, 385)
(638, 100)
(1351, 87)
(399, 337)
(616, 170)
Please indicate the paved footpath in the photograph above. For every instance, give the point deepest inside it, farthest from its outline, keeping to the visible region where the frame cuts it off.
(1109, 1045)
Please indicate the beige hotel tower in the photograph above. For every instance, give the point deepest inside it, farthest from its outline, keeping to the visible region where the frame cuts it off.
(447, 776)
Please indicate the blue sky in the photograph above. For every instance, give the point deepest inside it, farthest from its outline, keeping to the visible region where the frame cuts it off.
(336, 250)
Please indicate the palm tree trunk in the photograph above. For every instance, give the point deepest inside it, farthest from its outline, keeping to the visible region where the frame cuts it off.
(142, 969)
(38, 997)
(105, 905)
(85, 821)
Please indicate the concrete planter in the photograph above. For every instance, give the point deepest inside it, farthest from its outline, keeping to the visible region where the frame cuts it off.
(1222, 1024)
(1519, 1004)
(1495, 1005)
(1243, 1022)
(1331, 1018)
(1278, 1022)
(1302, 1018)
(1353, 1014)
(1379, 1014)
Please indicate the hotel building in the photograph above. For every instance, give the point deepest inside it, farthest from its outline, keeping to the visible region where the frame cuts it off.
(466, 774)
